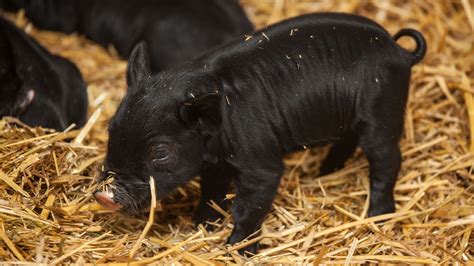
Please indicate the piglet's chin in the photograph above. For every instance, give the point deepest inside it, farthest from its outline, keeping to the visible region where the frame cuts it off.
(106, 200)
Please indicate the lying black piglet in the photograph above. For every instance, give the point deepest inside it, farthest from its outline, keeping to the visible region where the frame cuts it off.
(175, 30)
(231, 115)
(39, 88)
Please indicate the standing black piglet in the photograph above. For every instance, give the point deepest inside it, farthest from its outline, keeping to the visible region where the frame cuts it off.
(232, 114)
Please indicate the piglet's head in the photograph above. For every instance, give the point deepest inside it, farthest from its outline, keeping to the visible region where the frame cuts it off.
(157, 131)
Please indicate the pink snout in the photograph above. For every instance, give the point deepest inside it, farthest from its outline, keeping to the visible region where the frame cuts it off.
(106, 200)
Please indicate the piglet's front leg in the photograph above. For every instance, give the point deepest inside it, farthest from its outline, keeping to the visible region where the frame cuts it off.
(215, 183)
(254, 196)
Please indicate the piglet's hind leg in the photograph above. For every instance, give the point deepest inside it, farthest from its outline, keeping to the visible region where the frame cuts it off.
(338, 154)
(379, 135)
(384, 164)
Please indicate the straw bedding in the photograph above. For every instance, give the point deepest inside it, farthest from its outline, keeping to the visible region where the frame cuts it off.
(47, 214)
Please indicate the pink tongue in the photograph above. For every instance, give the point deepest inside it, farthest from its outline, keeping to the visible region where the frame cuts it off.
(107, 202)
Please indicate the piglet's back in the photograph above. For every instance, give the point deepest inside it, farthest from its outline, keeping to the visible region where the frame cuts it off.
(322, 36)
(306, 72)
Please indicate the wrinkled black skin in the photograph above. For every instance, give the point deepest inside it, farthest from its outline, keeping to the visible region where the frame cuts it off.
(230, 115)
(60, 92)
(175, 30)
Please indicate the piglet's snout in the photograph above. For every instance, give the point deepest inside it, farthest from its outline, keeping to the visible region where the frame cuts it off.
(105, 199)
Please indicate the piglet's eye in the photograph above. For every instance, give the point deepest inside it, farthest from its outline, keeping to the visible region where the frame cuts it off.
(161, 154)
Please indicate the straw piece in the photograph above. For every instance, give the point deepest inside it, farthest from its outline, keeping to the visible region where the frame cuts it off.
(195, 260)
(100, 99)
(29, 161)
(28, 141)
(56, 167)
(71, 209)
(87, 163)
(465, 239)
(335, 229)
(216, 207)
(10, 245)
(39, 251)
(321, 254)
(351, 251)
(85, 130)
(26, 216)
(444, 88)
(151, 219)
(49, 202)
(424, 146)
(117, 246)
(382, 258)
(70, 253)
(61, 136)
(468, 9)
(469, 99)
(466, 220)
(12, 184)
(175, 248)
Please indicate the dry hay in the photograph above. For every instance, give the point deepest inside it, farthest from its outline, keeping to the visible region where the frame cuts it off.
(47, 214)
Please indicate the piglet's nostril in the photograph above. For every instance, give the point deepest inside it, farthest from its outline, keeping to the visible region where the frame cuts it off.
(106, 200)
(107, 175)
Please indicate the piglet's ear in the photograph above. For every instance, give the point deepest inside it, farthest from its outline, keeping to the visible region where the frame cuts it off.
(138, 65)
(202, 112)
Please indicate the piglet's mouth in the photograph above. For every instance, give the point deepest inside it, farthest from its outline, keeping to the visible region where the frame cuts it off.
(106, 200)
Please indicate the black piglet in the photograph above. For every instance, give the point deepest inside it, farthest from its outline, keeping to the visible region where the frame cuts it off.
(175, 30)
(39, 88)
(231, 114)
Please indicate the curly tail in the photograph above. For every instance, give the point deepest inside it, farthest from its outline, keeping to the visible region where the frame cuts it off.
(420, 49)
